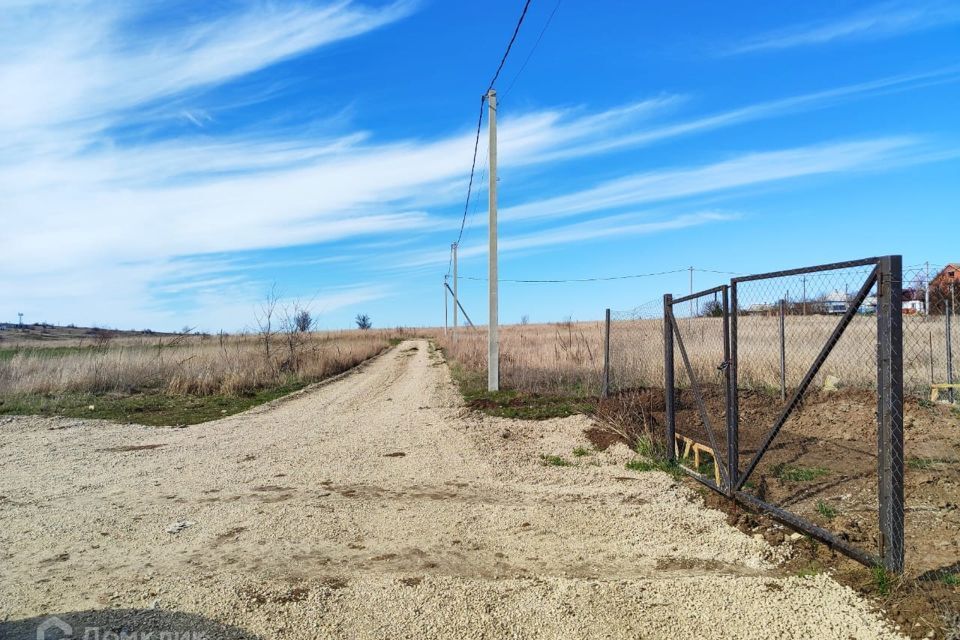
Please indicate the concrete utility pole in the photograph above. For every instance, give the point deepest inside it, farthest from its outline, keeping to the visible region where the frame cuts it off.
(804, 295)
(691, 291)
(456, 297)
(446, 306)
(493, 342)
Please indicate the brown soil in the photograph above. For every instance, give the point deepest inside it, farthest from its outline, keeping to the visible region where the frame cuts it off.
(602, 439)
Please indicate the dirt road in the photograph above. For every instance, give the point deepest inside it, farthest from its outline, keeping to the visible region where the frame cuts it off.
(377, 507)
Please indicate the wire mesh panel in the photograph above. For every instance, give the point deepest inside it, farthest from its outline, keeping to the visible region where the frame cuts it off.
(636, 347)
(700, 385)
(634, 406)
(808, 353)
(932, 434)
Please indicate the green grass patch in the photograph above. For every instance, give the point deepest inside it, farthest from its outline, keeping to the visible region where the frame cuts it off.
(812, 569)
(515, 404)
(951, 579)
(919, 464)
(640, 465)
(645, 446)
(49, 352)
(826, 510)
(579, 452)
(882, 581)
(792, 473)
(554, 461)
(150, 408)
(654, 464)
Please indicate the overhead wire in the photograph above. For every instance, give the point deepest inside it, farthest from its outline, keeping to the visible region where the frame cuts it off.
(534, 48)
(597, 279)
(604, 278)
(483, 98)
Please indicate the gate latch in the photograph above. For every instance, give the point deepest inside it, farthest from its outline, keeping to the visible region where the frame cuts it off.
(723, 365)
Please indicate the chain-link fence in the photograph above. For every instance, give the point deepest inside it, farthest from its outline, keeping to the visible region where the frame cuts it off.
(808, 347)
(809, 363)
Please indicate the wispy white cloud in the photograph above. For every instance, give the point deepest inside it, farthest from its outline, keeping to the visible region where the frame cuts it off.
(883, 20)
(741, 171)
(620, 225)
(82, 206)
(85, 63)
(767, 110)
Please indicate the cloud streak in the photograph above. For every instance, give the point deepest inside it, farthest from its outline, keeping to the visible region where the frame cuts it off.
(883, 20)
(159, 215)
(742, 171)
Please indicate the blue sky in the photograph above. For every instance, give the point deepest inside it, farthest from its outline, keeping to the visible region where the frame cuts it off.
(163, 164)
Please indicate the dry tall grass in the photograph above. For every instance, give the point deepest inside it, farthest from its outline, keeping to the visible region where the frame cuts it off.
(197, 365)
(568, 357)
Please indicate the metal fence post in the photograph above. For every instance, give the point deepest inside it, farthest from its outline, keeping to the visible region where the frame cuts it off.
(605, 392)
(890, 410)
(783, 350)
(668, 389)
(731, 456)
(733, 402)
(949, 321)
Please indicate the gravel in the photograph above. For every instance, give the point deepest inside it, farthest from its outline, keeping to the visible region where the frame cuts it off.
(302, 525)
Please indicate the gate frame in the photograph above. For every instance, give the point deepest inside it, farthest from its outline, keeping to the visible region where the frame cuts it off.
(887, 275)
(672, 330)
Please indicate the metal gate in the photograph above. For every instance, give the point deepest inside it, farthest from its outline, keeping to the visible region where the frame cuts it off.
(763, 451)
(703, 429)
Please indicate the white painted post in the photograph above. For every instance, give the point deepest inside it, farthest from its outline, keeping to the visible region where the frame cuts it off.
(456, 297)
(493, 343)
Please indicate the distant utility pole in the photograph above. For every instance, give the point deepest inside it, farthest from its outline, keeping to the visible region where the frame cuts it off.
(456, 297)
(21, 319)
(926, 293)
(804, 295)
(493, 343)
(691, 291)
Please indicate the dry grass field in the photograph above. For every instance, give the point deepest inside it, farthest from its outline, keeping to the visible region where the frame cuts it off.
(567, 358)
(172, 379)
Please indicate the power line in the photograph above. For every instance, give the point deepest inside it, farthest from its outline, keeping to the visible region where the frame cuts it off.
(506, 53)
(724, 273)
(606, 278)
(627, 277)
(473, 168)
(483, 98)
(535, 45)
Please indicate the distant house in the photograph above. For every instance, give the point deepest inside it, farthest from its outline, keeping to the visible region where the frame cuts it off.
(944, 290)
(913, 307)
(948, 277)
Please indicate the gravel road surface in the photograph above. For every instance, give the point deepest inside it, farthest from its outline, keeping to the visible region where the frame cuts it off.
(376, 506)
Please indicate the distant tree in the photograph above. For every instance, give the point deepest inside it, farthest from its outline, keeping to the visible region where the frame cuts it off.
(264, 319)
(302, 320)
(524, 319)
(712, 309)
(187, 329)
(363, 321)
